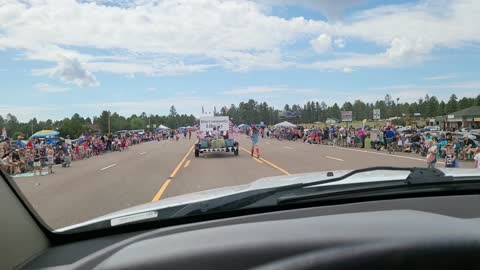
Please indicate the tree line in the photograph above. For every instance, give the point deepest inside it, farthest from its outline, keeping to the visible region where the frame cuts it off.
(314, 111)
(78, 125)
(428, 106)
(247, 112)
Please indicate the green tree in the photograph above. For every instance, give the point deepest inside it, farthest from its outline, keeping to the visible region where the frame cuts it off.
(173, 111)
(465, 103)
(433, 107)
(18, 133)
(452, 104)
(441, 108)
(137, 123)
(102, 121)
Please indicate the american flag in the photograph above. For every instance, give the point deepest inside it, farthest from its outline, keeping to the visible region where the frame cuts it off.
(230, 125)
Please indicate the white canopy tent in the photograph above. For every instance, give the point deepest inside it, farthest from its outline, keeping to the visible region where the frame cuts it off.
(285, 124)
(162, 127)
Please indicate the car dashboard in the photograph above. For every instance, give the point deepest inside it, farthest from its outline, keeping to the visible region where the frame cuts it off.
(255, 240)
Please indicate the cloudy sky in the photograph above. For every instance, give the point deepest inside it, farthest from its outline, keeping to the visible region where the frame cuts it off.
(58, 57)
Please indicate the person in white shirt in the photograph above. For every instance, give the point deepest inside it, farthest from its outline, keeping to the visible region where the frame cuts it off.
(431, 154)
(68, 141)
(476, 159)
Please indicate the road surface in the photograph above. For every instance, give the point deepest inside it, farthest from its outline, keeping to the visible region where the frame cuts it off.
(156, 170)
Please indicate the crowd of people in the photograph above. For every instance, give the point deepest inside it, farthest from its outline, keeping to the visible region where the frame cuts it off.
(35, 154)
(434, 146)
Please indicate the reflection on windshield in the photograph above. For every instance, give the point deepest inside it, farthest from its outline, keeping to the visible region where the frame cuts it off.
(110, 105)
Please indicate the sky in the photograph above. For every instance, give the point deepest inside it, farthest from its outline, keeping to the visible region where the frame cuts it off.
(60, 57)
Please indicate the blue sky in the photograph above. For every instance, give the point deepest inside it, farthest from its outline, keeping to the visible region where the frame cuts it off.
(59, 57)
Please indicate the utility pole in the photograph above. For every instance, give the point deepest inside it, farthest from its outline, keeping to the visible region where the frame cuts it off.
(108, 122)
(32, 127)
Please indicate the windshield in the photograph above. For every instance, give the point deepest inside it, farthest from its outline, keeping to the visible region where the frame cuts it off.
(108, 105)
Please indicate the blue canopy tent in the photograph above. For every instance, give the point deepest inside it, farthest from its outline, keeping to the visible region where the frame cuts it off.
(50, 136)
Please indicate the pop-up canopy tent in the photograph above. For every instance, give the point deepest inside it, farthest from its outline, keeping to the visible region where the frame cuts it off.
(242, 126)
(285, 124)
(162, 127)
(45, 133)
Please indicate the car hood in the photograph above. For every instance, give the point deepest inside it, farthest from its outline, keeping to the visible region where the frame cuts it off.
(267, 182)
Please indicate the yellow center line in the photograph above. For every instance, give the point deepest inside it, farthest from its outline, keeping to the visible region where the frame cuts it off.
(258, 160)
(162, 189)
(186, 164)
(165, 185)
(181, 162)
(268, 162)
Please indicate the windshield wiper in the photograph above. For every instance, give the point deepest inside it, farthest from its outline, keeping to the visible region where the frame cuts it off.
(239, 200)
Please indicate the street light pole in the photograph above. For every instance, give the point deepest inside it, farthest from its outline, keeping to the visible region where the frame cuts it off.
(109, 123)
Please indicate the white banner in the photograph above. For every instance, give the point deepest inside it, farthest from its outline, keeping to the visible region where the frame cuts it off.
(208, 123)
(346, 116)
(376, 114)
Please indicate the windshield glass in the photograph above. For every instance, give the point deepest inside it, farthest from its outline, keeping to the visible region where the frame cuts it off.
(108, 105)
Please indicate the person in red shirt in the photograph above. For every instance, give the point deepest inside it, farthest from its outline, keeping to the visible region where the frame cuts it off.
(29, 144)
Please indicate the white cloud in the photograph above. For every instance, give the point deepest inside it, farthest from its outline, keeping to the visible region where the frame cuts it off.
(44, 87)
(349, 62)
(455, 86)
(25, 113)
(402, 49)
(322, 43)
(159, 37)
(71, 71)
(441, 77)
(347, 70)
(339, 42)
(256, 90)
(188, 105)
(236, 33)
(151, 89)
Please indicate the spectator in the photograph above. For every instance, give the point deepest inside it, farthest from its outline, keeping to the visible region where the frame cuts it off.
(50, 158)
(431, 154)
(469, 149)
(37, 163)
(450, 158)
(476, 158)
(19, 143)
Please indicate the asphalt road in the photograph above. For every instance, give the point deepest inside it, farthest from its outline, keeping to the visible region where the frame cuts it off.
(156, 170)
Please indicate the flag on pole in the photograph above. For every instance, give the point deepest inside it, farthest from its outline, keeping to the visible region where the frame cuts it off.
(4, 133)
(230, 125)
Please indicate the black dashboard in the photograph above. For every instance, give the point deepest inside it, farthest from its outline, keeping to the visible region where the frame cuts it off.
(249, 241)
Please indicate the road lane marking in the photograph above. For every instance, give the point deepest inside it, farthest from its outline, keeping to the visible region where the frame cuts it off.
(267, 142)
(287, 147)
(257, 160)
(181, 162)
(165, 185)
(269, 163)
(143, 153)
(109, 166)
(339, 159)
(186, 164)
(381, 154)
(275, 166)
(162, 190)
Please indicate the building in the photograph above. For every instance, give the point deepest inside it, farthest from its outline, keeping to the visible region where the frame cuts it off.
(466, 118)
